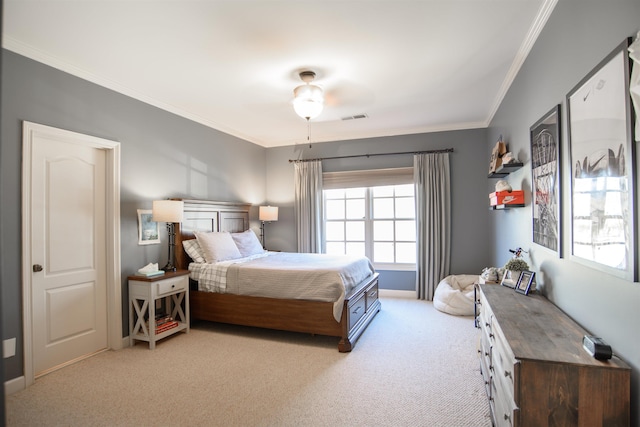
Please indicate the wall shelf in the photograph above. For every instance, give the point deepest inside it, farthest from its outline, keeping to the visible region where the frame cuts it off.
(501, 172)
(505, 170)
(502, 207)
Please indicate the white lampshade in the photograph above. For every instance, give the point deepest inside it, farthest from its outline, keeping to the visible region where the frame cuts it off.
(268, 213)
(168, 210)
(308, 101)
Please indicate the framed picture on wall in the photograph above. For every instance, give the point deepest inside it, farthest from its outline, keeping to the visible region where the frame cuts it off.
(603, 220)
(545, 194)
(148, 230)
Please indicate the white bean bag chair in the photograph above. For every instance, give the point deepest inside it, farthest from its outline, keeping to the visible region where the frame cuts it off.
(454, 294)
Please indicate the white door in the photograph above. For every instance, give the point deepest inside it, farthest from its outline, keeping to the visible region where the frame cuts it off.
(68, 252)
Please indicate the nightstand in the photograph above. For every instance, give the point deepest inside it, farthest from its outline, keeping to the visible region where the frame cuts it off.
(144, 292)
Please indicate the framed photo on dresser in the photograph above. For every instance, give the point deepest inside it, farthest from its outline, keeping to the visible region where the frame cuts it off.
(524, 282)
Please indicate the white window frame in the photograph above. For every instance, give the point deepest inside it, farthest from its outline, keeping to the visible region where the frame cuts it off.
(368, 179)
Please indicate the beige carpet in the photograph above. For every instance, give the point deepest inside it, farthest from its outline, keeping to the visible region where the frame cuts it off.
(414, 366)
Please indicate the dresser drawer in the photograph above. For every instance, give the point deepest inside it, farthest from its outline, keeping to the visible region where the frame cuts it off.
(503, 369)
(173, 285)
(485, 316)
(486, 368)
(503, 410)
(485, 365)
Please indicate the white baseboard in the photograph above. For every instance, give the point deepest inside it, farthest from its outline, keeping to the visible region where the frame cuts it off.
(15, 385)
(391, 293)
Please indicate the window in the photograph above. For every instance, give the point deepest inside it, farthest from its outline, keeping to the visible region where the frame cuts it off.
(377, 222)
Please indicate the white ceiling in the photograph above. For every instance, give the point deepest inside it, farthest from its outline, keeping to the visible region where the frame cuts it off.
(410, 66)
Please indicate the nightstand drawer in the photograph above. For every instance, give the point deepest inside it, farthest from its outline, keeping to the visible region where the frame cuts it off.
(169, 286)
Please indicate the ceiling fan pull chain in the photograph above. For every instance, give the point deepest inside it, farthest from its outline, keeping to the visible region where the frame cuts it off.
(309, 132)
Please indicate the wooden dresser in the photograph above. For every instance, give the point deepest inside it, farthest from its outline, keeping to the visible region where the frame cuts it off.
(535, 370)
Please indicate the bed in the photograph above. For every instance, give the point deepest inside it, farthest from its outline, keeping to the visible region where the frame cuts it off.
(357, 308)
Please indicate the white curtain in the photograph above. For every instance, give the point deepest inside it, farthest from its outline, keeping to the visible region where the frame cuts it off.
(308, 206)
(433, 218)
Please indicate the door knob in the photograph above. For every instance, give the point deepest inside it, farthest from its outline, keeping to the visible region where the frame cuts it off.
(37, 268)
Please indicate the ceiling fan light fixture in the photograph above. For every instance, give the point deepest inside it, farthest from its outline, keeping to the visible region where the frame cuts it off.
(308, 99)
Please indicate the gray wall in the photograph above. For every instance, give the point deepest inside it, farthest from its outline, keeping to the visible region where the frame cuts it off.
(162, 155)
(578, 35)
(470, 215)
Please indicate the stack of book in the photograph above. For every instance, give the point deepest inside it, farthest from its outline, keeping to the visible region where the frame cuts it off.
(164, 322)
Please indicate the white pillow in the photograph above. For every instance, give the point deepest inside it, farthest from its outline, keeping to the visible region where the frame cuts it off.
(247, 243)
(218, 246)
(193, 249)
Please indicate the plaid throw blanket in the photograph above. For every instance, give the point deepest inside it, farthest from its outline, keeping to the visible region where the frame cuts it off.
(213, 277)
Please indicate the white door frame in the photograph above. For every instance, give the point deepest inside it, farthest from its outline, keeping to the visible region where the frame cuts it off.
(112, 223)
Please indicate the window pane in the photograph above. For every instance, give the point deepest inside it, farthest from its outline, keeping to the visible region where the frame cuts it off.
(355, 231)
(613, 203)
(382, 231)
(355, 209)
(335, 209)
(335, 230)
(355, 248)
(406, 252)
(383, 208)
(355, 193)
(406, 231)
(383, 252)
(405, 207)
(581, 205)
(385, 191)
(404, 190)
(335, 248)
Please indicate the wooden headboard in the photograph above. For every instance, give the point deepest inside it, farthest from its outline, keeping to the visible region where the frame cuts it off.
(207, 215)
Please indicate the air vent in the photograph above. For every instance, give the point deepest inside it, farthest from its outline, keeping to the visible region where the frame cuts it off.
(355, 117)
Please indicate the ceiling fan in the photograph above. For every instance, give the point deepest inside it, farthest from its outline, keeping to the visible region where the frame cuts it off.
(308, 99)
(341, 95)
(327, 96)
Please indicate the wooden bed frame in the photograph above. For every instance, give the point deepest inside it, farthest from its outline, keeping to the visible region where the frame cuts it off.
(360, 305)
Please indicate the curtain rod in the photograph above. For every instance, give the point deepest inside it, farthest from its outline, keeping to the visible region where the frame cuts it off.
(444, 150)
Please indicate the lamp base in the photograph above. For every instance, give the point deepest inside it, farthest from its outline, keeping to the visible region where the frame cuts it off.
(171, 255)
(169, 267)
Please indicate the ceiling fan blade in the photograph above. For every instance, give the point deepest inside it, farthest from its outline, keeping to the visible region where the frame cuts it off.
(349, 94)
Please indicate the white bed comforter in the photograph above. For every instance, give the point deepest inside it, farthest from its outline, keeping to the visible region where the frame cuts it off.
(315, 277)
